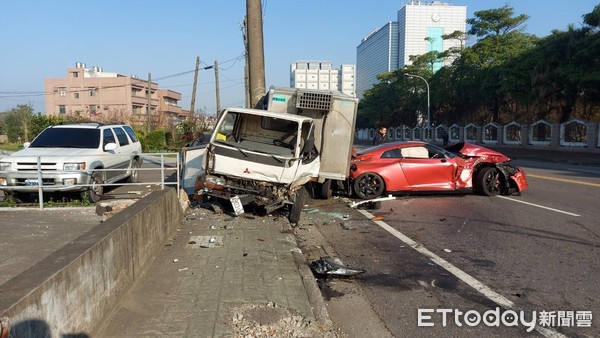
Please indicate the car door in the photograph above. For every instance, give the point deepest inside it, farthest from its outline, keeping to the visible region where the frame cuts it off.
(111, 161)
(427, 169)
(124, 158)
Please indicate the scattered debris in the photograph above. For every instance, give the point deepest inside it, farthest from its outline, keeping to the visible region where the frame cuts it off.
(216, 208)
(272, 320)
(4, 327)
(183, 269)
(175, 260)
(447, 250)
(334, 267)
(377, 218)
(356, 204)
(347, 226)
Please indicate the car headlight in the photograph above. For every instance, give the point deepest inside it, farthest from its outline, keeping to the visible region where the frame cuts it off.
(5, 166)
(74, 166)
(213, 182)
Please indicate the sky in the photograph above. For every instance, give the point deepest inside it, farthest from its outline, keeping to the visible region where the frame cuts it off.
(41, 39)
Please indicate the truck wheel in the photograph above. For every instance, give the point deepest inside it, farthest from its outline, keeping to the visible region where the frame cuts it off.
(326, 191)
(296, 208)
(95, 192)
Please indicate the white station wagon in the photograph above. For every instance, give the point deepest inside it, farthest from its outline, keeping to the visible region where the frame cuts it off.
(73, 157)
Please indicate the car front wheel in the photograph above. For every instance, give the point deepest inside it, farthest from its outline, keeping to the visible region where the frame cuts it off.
(369, 186)
(490, 182)
(95, 192)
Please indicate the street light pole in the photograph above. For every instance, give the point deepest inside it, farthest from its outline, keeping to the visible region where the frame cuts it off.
(428, 102)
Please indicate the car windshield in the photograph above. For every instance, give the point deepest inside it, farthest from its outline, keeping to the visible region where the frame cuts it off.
(67, 138)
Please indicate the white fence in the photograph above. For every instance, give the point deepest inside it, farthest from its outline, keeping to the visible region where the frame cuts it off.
(572, 134)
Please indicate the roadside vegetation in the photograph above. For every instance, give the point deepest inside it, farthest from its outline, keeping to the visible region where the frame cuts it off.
(21, 124)
(505, 76)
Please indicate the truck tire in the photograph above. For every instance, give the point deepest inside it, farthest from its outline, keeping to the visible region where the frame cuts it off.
(326, 191)
(296, 208)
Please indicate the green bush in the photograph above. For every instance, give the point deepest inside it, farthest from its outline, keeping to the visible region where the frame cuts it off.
(154, 141)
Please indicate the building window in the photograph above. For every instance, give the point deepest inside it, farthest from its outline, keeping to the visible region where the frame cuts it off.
(93, 108)
(62, 91)
(62, 110)
(75, 74)
(135, 91)
(92, 91)
(76, 95)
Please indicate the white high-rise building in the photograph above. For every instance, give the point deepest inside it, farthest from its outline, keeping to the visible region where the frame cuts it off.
(322, 75)
(376, 54)
(420, 27)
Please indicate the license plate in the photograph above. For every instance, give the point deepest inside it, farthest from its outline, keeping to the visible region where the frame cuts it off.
(238, 208)
(31, 183)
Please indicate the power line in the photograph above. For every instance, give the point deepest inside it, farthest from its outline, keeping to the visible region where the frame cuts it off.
(18, 94)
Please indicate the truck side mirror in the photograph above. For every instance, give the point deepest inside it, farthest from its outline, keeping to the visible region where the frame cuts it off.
(308, 145)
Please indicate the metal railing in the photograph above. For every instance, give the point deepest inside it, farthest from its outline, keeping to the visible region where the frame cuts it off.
(166, 162)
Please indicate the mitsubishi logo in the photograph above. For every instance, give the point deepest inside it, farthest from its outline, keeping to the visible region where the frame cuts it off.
(246, 171)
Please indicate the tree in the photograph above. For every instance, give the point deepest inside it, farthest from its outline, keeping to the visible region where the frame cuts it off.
(17, 123)
(37, 123)
(494, 22)
(592, 19)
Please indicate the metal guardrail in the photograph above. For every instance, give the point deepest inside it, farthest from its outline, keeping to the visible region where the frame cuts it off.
(166, 162)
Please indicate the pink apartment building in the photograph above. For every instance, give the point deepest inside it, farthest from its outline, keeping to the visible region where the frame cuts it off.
(95, 95)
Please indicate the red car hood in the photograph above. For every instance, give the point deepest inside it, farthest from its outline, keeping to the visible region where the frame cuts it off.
(473, 150)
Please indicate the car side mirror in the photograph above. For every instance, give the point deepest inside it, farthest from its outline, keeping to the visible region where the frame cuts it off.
(110, 146)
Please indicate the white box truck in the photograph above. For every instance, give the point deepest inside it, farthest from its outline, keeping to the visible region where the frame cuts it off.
(264, 158)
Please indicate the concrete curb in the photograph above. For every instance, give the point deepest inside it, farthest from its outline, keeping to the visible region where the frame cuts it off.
(315, 298)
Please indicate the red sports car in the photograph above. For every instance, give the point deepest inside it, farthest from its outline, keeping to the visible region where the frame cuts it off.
(402, 167)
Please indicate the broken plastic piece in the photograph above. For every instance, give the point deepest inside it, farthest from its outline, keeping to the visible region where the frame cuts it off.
(388, 198)
(334, 267)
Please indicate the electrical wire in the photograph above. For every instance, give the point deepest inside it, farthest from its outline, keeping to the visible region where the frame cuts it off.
(18, 94)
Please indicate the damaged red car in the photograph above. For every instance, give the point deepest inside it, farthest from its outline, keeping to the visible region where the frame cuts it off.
(410, 167)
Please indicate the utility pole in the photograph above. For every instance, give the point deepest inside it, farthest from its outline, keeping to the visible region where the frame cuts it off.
(247, 65)
(256, 53)
(194, 88)
(149, 105)
(217, 88)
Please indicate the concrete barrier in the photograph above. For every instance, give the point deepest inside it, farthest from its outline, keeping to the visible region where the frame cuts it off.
(72, 290)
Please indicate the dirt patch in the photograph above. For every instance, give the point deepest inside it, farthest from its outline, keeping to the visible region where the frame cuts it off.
(271, 320)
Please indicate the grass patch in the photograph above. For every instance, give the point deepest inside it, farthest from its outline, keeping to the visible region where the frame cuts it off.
(11, 146)
(52, 201)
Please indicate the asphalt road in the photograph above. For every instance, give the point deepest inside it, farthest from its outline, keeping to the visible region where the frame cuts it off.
(536, 252)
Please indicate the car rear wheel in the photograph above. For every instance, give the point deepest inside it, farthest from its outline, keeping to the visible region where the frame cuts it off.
(95, 192)
(368, 186)
(490, 182)
(133, 172)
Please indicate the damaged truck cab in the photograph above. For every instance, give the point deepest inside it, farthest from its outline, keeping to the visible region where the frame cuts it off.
(264, 158)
